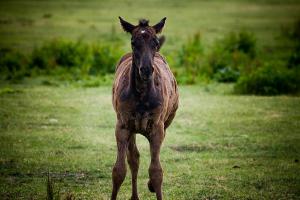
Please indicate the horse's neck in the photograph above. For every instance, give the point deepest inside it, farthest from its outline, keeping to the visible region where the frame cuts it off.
(139, 86)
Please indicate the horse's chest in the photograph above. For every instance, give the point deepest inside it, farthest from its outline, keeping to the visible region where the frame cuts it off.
(138, 112)
(140, 116)
(140, 122)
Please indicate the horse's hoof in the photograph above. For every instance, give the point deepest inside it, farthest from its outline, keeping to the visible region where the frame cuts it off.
(150, 187)
(134, 198)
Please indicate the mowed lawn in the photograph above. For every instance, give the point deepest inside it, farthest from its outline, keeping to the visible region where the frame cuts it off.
(28, 23)
(220, 146)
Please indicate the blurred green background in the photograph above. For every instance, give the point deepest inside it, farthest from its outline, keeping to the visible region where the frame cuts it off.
(236, 134)
(254, 44)
(26, 24)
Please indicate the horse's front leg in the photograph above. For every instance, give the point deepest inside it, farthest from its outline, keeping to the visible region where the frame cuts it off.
(155, 169)
(133, 161)
(119, 169)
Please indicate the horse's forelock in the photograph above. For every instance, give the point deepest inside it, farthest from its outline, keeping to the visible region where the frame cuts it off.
(143, 23)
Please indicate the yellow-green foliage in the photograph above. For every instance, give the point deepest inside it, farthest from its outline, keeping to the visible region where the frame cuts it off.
(233, 58)
(189, 59)
(224, 61)
(64, 59)
(12, 64)
(231, 55)
(276, 76)
(269, 80)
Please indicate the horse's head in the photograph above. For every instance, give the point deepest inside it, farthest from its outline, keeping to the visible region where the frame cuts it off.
(144, 44)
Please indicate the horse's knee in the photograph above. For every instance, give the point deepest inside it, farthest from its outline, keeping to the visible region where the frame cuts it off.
(156, 174)
(118, 173)
(135, 155)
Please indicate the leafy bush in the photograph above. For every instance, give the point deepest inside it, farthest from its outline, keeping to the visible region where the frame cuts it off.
(190, 53)
(294, 37)
(190, 67)
(65, 60)
(12, 64)
(269, 80)
(60, 53)
(104, 59)
(86, 59)
(233, 58)
(231, 55)
(294, 59)
(227, 74)
(278, 74)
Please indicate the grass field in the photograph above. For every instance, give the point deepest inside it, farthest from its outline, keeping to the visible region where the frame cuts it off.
(220, 146)
(25, 24)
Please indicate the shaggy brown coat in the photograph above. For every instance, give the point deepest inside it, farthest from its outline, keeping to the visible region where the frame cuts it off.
(143, 105)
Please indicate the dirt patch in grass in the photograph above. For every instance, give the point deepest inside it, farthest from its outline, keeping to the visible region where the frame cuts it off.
(194, 148)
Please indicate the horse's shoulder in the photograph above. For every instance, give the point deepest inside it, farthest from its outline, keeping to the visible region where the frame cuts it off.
(160, 57)
(124, 58)
(162, 66)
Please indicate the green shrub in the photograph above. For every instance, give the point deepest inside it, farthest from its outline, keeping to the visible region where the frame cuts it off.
(293, 32)
(294, 37)
(294, 59)
(60, 53)
(227, 74)
(87, 59)
(269, 80)
(104, 58)
(242, 41)
(12, 64)
(231, 56)
(190, 65)
(247, 43)
(66, 60)
(191, 52)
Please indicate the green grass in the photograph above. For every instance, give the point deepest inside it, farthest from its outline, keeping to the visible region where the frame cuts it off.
(25, 24)
(219, 146)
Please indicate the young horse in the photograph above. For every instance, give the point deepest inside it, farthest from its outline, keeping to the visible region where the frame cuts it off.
(145, 99)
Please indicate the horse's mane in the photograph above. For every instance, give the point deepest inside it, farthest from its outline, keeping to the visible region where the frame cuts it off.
(143, 22)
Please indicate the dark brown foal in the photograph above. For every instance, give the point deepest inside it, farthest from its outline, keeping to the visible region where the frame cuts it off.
(145, 98)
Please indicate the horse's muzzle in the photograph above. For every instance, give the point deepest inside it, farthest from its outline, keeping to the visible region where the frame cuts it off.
(146, 72)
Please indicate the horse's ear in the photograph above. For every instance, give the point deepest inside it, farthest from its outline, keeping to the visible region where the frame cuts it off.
(159, 26)
(161, 41)
(126, 25)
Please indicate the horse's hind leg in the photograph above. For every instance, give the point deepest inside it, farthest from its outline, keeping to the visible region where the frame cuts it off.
(119, 170)
(155, 169)
(133, 156)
